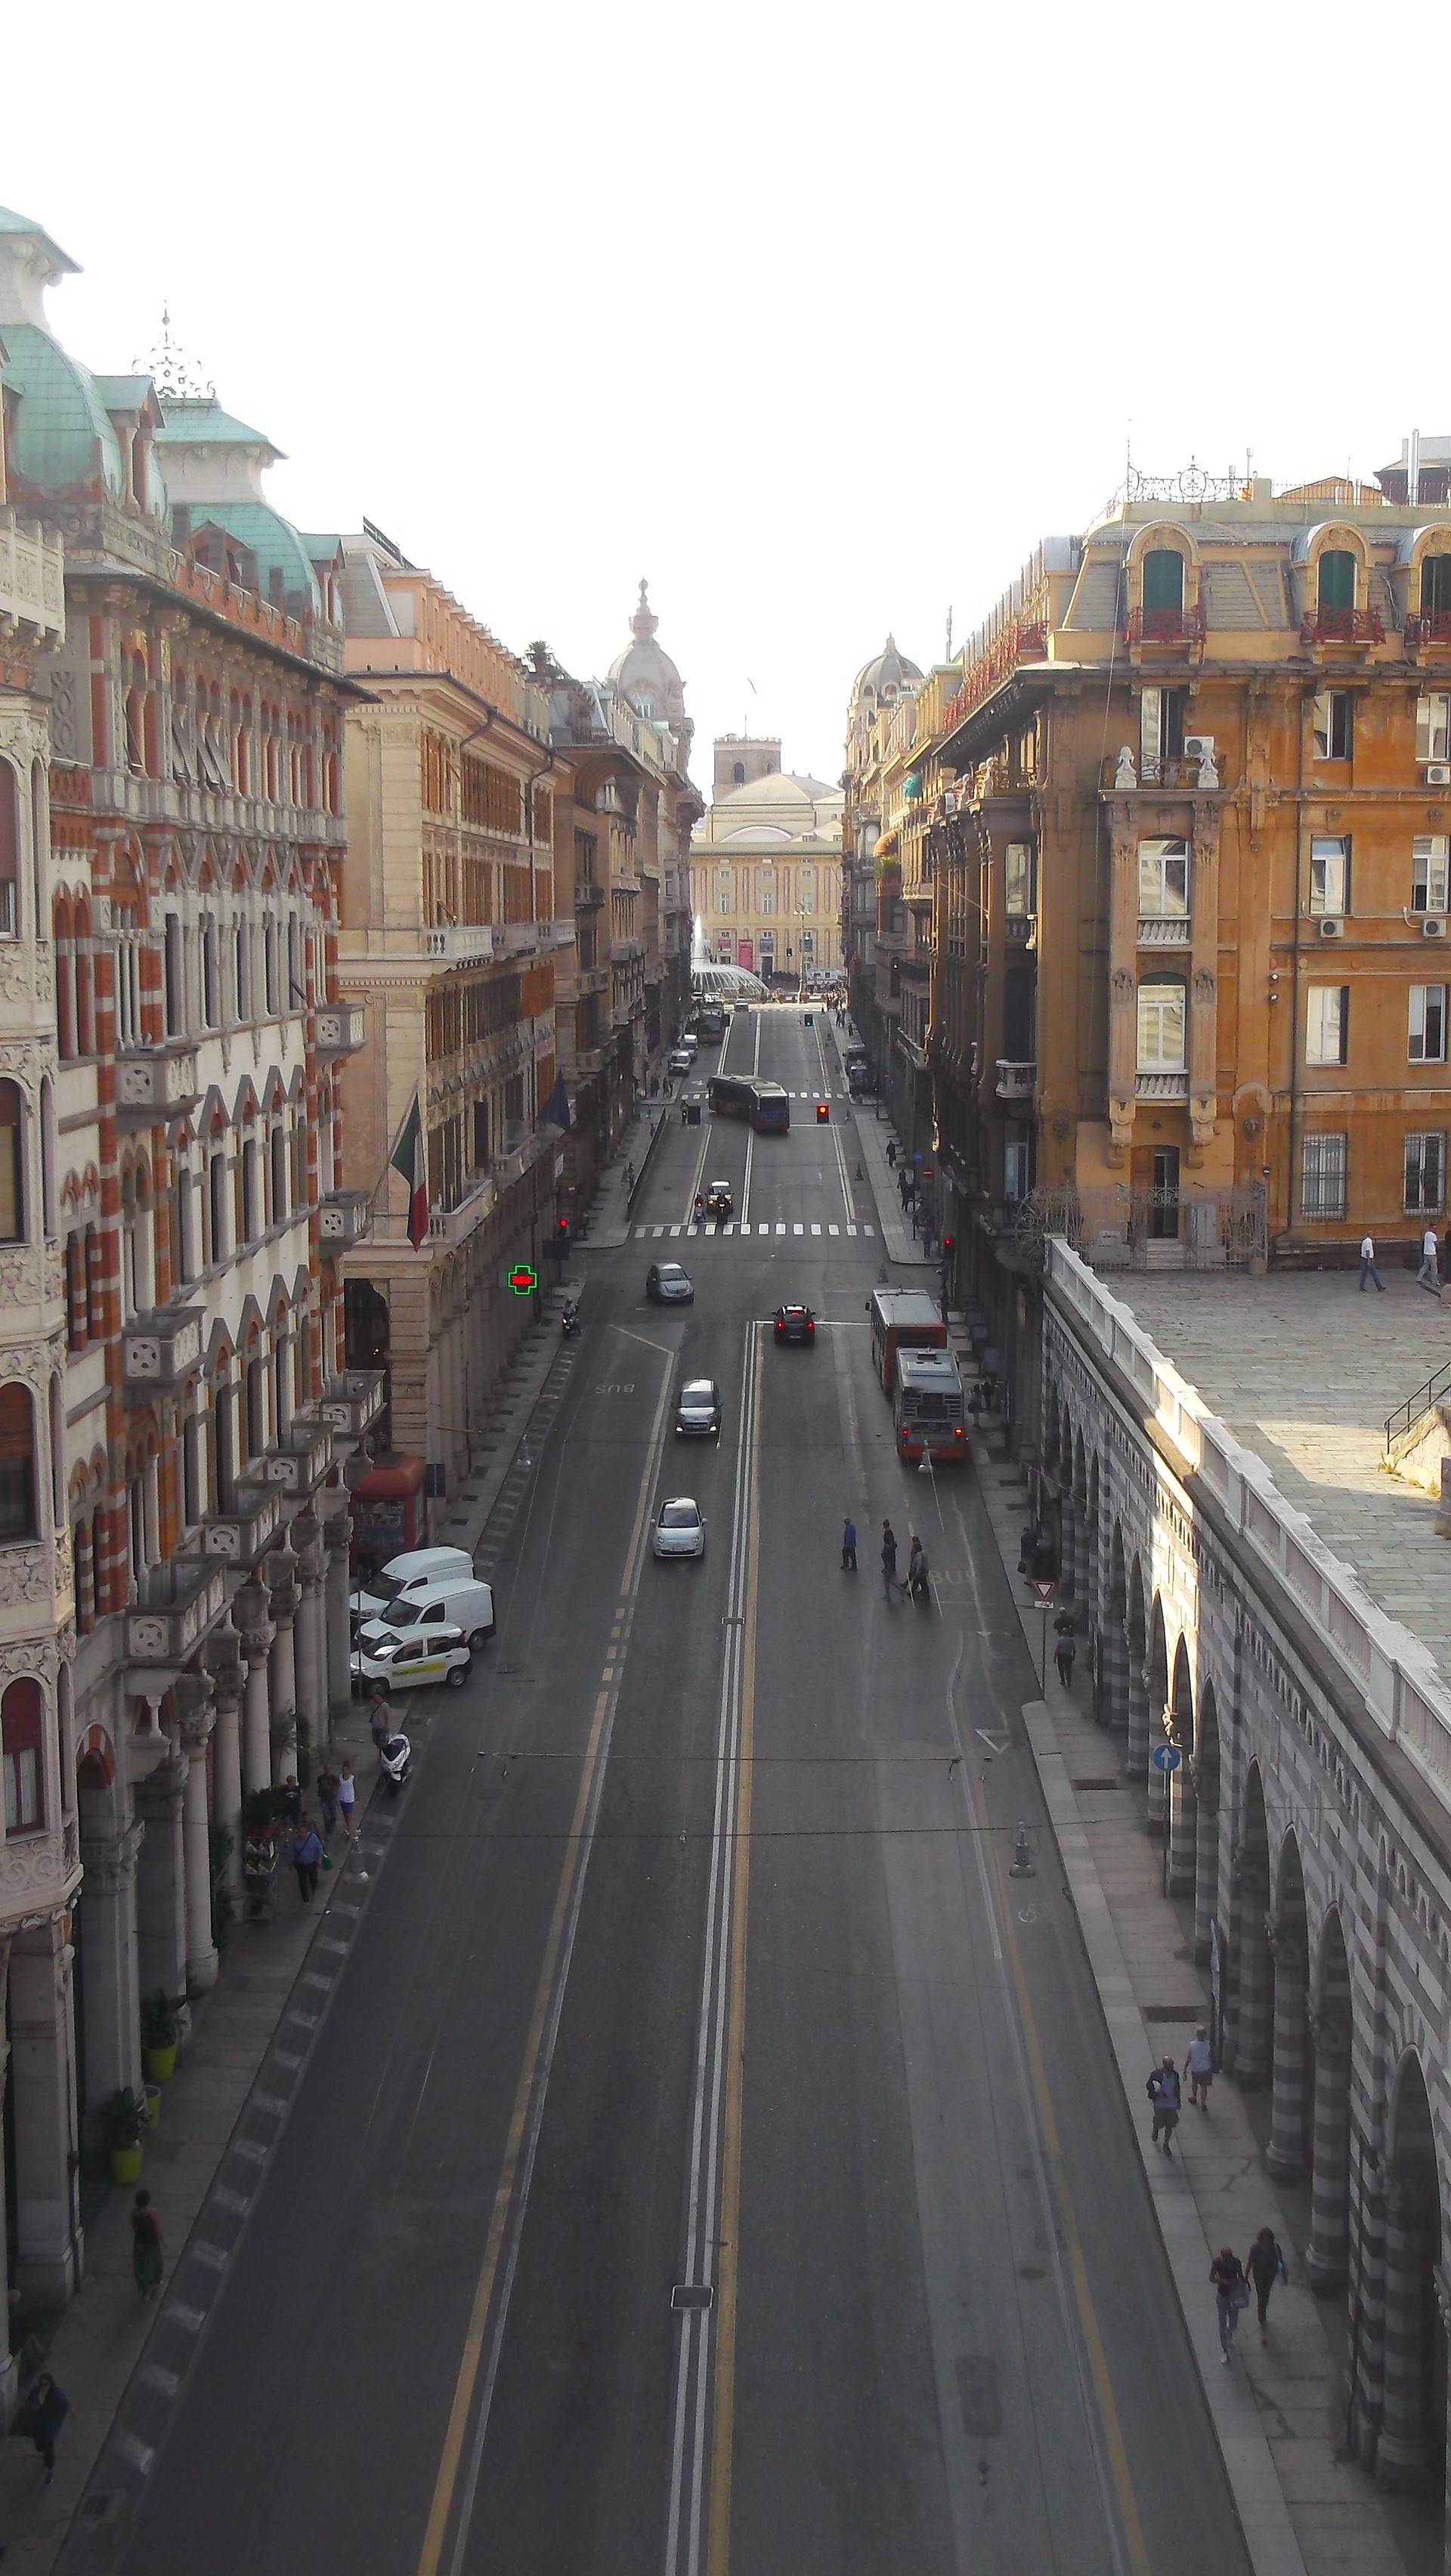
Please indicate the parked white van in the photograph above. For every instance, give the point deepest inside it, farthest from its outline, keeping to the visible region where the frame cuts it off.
(406, 1577)
(458, 1601)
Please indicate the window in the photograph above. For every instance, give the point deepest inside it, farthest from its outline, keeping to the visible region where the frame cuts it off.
(1430, 853)
(278, 1142)
(21, 1713)
(1018, 871)
(1161, 728)
(1425, 1193)
(1017, 1159)
(1163, 879)
(725, 892)
(1162, 1000)
(217, 1204)
(1322, 1176)
(1337, 581)
(9, 852)
(1426, 1040)
(1163, 580)
(1327, 1023)
(1433, 726)
(1436, 586)
(17, 1463)
(174, 985)
(738, 774)
(765, 891)
(1333, 724)
(1329, 875)
(12, 1141)
(211, 980)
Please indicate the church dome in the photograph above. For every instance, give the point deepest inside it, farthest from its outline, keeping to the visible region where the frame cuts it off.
(890, 675)
(645, 675)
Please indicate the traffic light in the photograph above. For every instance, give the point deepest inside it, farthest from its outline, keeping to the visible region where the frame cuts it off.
(823, 1112)
(561, 1233)
(948, 1243)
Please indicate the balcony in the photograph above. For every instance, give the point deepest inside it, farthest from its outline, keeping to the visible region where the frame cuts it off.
(299, 1462)
(351, 1402)
(591, 979)
(1161, 1086)
(37, 1869)
(1016, 1082)
(1431, 627)
(153, 1083)
(340, 1029)
(461, 944)
(587, 895)
(1169, 626)
(32, 579)
(516, 938)
(254, 1524)
(1342, 626)
(343, 1218)
(180, 1602)
(1164, 930)
(158, 1348)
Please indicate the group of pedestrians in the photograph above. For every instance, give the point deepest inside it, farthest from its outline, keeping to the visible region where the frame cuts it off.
(337, 1795)
(1435, 1269)
(911, 1586)
(46, 2406)
(1264, 2264)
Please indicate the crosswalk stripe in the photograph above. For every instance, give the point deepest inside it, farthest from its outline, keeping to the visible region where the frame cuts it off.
(816, 1229)
(780, 1229)
(798, 1229)
(657, 1230)
(833, 1229)
(851, 1229)
(730, 1227)
(869, 1229)
(675, 1229)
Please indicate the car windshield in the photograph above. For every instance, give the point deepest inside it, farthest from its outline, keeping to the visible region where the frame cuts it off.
(679, 1516)
(722, 1185)
(670, 1271)
(699, 1392)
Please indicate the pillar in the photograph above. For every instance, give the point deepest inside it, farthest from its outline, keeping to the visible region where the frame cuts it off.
(1116, 1672)
(284, 1601)
(337, 1532)
(1327, 2254)
(1067, 1550)
(196, 1726)
(1252, 2037)
(1400, 2452)
(311, 1649)
(161, 1881)
(249, 1617)
(1206, 1859)
(1285, 2154)
(1368, 2251)
(112, 1995)
(42, 2092)
(1183, 1826)
(1158, 1780)
(229, 1677)
(1136, 1760)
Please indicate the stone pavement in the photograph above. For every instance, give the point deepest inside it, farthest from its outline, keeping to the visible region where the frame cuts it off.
(1278, 2410)
(98, 2343)
(1304, 1369)
(871, 1133)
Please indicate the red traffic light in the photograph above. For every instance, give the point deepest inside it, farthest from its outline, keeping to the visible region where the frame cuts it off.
(948, 1242)
(561, 1228)
(823, 1112)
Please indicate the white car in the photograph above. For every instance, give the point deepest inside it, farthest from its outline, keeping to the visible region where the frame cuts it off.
(463, 1603)
(680, 1528)
(398, 1659)
(681, 1061)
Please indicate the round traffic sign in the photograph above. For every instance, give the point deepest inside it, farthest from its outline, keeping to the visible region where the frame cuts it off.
(1167, 1757)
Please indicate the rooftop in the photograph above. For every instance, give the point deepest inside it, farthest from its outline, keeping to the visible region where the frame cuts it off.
(1304, 1370)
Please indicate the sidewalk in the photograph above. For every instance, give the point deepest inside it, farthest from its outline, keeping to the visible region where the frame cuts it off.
(1279, 2409)
(871, 1135)
(117, 2360)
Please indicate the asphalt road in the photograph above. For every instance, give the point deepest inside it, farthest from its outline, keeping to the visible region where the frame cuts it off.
(695, 1963)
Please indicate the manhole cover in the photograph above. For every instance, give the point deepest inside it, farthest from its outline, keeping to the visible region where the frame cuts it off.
(692, 2294)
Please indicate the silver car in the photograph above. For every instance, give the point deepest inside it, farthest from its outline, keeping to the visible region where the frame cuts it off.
(666, 1284)
(697, 1410)
(680, 1529)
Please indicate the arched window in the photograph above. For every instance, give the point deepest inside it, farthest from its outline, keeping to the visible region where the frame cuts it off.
(1162, 1016)
(738, 774)
(1163, 579)
(22, 1713)
(47, 1158)
(85, 982)
(65, 980)
(17, 1463)
(9, 851)
(39, 842)
(1337, 580)
(12, 1164)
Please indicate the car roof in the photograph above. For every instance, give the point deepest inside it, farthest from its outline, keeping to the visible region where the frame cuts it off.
(793, 1306)
(680, 1502)
(695, 1386)
(426, 1560)
(675, 1266)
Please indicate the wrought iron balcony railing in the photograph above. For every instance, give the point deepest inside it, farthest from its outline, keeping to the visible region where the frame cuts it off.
(1166, 625)
(1342, 626)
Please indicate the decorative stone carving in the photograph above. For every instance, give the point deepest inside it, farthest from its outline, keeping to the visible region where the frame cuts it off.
(1121, 987)
(1125, 775)
(1204, 986)
(110, 1864)
(32, 1570)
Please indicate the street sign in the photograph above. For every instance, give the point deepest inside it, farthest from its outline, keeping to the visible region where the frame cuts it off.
(1044, 1592)
(523, 1280)
(1167, 1757)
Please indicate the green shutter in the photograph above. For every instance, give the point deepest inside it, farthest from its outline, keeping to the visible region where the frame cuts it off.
(1337, 581)
(1163, 579)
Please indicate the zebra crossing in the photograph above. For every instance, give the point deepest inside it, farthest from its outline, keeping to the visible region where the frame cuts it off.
(653, 1233)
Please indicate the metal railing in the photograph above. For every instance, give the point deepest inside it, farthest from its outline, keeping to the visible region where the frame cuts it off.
(1419, 1403)
(1342, 626)
(1166, 625)
(1118, 1228)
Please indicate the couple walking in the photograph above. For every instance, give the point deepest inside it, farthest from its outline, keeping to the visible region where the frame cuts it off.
(1163, 2088)
(915, 1585)
(1265, 2265)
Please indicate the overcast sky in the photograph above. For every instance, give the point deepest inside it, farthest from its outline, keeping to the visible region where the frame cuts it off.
(820, 316)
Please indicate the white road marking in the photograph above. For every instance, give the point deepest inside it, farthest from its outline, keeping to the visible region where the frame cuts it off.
(798, 1229)
(816, 1229)
(851, 1229)
(780, 1229)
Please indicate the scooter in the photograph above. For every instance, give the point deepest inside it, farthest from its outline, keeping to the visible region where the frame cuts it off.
(396, 1757)
(569, 1317)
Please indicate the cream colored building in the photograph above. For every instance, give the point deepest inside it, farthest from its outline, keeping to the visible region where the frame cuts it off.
(766, 865)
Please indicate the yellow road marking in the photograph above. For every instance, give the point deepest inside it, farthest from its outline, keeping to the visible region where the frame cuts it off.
(1078, 2269)
(718, 2533)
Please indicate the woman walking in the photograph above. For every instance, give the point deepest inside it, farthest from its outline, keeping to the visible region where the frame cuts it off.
(146, 2249)
(347, 1798)
(1266, 2266)
(46, 2409)
(1231, 2294)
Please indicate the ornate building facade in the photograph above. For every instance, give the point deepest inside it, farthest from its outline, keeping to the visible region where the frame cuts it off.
(766, 866)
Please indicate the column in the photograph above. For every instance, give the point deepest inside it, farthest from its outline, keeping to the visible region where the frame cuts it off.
(1158, 1780)
(1206, 1857)
(1327, 2254)
(312, 1710)
(42, 2087)
(1285, 2154)
(1370, 2283)
(284, 1600)
(1116, 1671)
(249, 1618)
(1123, 937)
(195, 1716)
(1136, 1761)
(229, 1678)
(1183, 1823)
(1400, 2453)
(1252, 2039)
(111, 1988)
(1067, 1549)
(161, 1881)
(337, 1532)
(1203, 980)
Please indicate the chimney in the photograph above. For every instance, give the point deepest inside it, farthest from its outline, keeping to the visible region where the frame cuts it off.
(1413, 468)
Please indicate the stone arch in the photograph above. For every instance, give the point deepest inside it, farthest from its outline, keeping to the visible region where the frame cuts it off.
(1156, 1684)
(1179, 1728)
(1162, 537)
(1332, 2029)
(1206, 1770)
(1249, 1938)
(1136, 1759)
(1411, 2449)
(1288, 2149)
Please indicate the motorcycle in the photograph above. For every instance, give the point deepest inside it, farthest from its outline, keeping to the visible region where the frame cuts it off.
(396, 1757)
(569, 1317)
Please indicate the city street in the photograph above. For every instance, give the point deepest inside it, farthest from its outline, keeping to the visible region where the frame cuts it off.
(695, 1966)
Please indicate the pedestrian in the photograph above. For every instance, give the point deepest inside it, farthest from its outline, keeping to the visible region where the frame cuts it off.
(891, 1153)
(1200, 2064)
(1231, 2291)
(1028, 1534)
(1267, 2265)
(1367, 1263)
(306, 1857)
(1162, 2089)
(380, 1716)
(347, 1798)
(327, 1798)
(889, 1560)
(146, 2248)
(292, 1799)
(1430, 1269)
(46, 2409)
(1063, 1654)
(629, 1178)
(1446, 1258)
(917, 1572)
(848, 1546)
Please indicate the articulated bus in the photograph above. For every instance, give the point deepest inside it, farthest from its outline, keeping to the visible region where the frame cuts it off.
(927, 1410)
(765, 1104)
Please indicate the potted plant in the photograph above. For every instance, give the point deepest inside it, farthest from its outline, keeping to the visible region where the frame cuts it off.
(158, 2036)
(123, 2127)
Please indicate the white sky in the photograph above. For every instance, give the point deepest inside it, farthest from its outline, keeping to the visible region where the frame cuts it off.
(820, 316)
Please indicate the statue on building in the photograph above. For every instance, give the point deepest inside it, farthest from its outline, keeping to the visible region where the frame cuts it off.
(1125, 774)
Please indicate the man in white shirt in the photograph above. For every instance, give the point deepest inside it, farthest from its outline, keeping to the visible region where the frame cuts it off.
(1367, 1263)
(1430, 1270)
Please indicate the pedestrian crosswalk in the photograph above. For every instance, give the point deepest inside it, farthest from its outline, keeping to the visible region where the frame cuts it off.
(773, 1227)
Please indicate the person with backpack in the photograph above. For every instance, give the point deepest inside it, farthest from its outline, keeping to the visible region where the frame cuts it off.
(1231, 2291)
(1162, 2089)
(1200, 2067)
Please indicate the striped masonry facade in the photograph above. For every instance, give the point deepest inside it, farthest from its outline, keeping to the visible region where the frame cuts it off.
(1285, 2154)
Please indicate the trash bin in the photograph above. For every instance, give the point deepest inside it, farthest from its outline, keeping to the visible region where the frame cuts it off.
(692, 1113)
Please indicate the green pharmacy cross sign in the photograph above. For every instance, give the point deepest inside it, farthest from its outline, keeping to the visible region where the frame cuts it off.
(523, 1280)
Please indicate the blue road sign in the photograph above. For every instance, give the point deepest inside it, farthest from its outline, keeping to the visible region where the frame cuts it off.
(1167, 1757)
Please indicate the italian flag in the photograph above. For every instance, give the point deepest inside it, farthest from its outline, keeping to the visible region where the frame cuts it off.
(407, 1157)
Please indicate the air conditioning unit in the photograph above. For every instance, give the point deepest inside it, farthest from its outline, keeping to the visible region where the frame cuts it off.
(1331, 929)
(1199, 746)
(1438, 773)
(1433, 926)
